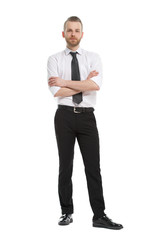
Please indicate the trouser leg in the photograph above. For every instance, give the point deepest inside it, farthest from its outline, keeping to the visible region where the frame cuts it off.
(88, 140)
(65, 142)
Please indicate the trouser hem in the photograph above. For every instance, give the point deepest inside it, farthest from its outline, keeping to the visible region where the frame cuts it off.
(99, 215)
(67, 211)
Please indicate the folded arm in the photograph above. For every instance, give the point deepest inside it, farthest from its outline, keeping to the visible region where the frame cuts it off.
(71, 87)
(66, 92)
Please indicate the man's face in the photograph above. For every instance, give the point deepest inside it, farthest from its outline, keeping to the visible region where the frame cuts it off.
(73, 34)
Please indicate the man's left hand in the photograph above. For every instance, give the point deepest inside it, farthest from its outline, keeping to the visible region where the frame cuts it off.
(56, 81)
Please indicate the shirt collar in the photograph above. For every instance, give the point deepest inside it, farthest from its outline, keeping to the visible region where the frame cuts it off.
(67, 51)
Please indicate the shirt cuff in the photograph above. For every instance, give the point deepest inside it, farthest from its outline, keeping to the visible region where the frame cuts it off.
(54, 90)
(97, 80)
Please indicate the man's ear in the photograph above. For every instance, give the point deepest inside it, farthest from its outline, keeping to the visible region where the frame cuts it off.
(63, 34)
(82, 34)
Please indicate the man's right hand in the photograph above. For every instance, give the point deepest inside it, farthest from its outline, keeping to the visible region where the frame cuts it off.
(92, 74)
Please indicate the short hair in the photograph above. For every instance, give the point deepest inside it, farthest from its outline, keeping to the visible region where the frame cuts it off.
(73, 19)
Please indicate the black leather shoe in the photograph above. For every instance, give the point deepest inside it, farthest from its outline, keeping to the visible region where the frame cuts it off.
(105, 222)
(65, 219)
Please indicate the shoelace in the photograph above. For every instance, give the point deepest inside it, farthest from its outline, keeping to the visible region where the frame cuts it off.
(105, 216)
(65, 216)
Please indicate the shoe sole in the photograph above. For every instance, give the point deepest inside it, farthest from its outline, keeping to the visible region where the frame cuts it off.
(65, 224)
(102, 226)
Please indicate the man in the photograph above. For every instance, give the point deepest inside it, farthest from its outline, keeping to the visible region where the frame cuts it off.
(74, 77)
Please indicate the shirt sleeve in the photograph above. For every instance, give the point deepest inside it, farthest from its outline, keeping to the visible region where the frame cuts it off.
(97, 65)
(52, 70)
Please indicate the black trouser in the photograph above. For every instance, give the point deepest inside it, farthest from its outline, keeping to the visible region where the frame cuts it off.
(68, 127)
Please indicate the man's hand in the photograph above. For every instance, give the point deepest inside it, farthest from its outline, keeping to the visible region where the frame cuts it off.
(92, 74)
(56, 81)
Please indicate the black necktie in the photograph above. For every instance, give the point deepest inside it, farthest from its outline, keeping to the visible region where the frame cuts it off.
(77, 98)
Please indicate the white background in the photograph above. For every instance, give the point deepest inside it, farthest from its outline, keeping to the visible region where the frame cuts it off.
(126, 35)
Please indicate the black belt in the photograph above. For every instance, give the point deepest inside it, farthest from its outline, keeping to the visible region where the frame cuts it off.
(76, 109)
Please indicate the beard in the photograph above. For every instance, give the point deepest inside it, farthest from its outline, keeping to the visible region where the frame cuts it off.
(73, 43)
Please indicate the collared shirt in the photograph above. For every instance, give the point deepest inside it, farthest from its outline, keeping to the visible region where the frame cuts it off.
(59, 65)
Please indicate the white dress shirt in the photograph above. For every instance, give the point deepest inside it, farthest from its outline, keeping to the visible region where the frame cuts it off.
(59, 65)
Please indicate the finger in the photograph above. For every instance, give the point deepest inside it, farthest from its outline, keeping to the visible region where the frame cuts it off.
(52, 78)
(96, 73)
(52, 84)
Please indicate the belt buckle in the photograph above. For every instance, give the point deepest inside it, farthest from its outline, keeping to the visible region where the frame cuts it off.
(75, 111)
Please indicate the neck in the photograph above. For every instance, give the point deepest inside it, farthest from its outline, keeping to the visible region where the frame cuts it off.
(73, 48)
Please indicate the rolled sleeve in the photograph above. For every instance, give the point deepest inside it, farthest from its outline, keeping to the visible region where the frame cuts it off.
(52, 72)
(97, 65)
